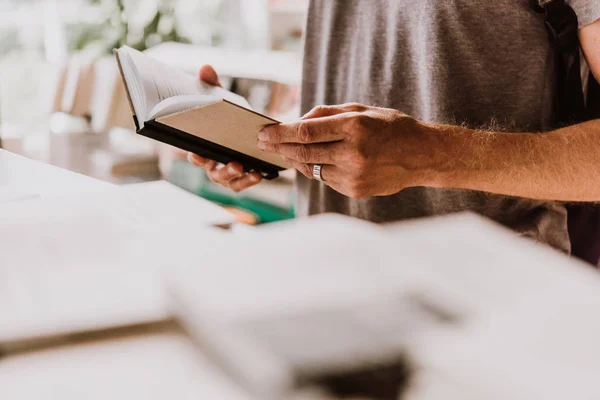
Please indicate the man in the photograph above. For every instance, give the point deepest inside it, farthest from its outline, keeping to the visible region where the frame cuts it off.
(467, 89)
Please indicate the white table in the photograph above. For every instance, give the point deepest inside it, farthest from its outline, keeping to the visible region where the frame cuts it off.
(23, 177)
(152, 366)
(157, 364)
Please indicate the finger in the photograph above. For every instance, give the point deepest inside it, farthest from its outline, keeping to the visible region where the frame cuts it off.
(338, 187)
(354, 107)
(323, 111)
(203, 162)
(329, 153)
(209, 75)
(197, 160)
(226, 173)
(304, 169)
(327, 111)
(211, 165)
(317, 130)
(246, 181)
(329, 173)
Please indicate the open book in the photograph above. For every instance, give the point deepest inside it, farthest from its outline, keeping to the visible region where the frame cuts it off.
(176, 108)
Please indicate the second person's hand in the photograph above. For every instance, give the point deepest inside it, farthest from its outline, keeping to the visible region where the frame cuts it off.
(232, 175)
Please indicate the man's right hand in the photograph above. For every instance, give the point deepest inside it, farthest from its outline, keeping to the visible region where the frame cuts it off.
(232, 175)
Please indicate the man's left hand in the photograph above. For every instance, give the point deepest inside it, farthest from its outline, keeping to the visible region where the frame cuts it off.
(365, 151)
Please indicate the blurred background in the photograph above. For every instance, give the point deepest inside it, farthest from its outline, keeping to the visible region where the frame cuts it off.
(62, 101)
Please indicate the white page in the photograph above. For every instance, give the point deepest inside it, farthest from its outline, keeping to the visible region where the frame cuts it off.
(150, 82)
(91, 262)
(176, 104)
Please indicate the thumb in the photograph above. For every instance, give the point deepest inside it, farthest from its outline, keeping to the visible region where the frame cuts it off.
(209, 75)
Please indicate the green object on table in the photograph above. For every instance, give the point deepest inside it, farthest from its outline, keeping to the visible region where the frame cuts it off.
(194, 180)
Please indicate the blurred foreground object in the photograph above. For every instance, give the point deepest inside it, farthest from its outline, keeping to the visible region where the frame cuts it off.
(147, 364)
(453, 307)
(468, 308)
(327, 307)
(92, 262)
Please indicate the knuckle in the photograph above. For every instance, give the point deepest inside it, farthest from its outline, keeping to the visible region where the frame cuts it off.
(308, 170)
(274, 137)
(320, 109)
(306, 132)
(359, 157)
(357, 125)
(220, 176)
(212, 176)
(301, 153)
(362, 120)
(210, 167)
(305, 170)
(353, 106)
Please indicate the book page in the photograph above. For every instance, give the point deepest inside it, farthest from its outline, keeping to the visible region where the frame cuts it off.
(151, 82)
(175, 104)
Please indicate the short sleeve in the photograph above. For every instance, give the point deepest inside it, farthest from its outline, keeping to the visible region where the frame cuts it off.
(588, 11)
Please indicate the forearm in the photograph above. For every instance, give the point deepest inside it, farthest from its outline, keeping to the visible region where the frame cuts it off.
(561, 165)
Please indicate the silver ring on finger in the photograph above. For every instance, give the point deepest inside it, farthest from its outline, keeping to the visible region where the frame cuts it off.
(317, 172)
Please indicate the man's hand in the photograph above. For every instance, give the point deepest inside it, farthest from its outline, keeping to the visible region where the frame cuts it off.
(365, 151)
(231, 175)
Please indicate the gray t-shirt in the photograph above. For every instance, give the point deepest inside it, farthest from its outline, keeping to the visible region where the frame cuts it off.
(473, 62)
